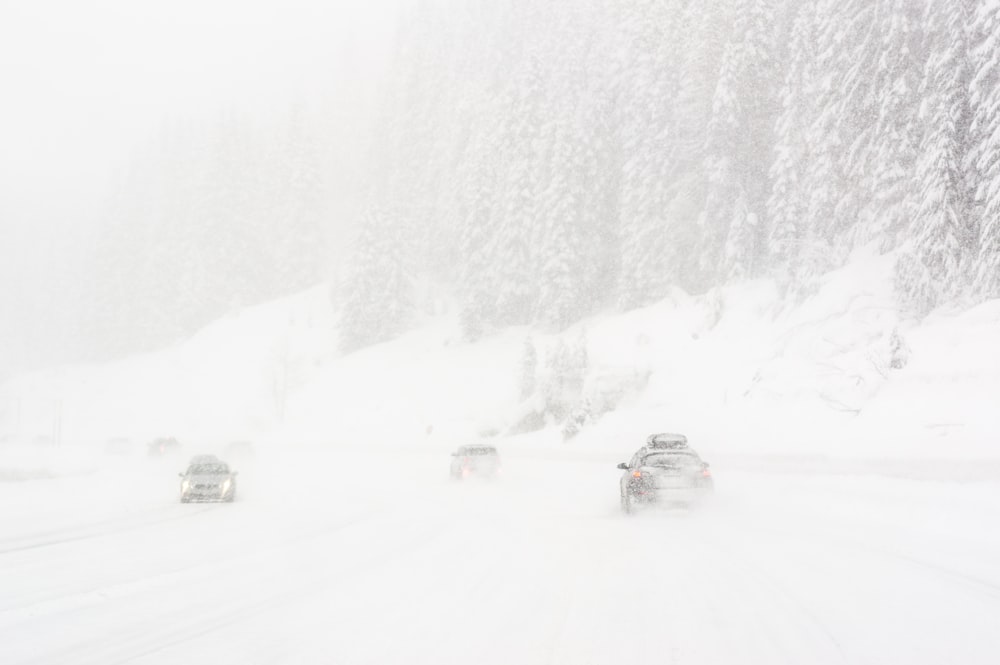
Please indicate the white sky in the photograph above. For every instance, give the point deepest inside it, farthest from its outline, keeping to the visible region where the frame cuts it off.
(84, 82)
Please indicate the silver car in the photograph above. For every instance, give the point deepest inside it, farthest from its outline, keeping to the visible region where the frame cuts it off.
(208, 479)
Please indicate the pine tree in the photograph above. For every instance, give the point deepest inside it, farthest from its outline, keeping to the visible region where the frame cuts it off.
(296, 205)
(563, 265)
(514, 251)
(829, 190)
(738, 145)
(985, 158)
(787, 206)
(478, 197)
(886, 151)
(529, 367)
(704, 29)
(930, 272)
(647, 128)
(378, 302)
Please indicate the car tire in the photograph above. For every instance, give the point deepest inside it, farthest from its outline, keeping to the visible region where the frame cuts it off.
(626, 505)
(184, 499)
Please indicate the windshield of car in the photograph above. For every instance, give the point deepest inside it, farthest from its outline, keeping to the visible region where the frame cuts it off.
(207, 469)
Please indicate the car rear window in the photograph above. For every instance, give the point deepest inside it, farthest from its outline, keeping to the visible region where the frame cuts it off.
(479, 450)
(670, 459)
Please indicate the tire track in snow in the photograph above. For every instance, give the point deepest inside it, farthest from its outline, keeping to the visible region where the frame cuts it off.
(744, 569)
(74, 534)
(178, 627)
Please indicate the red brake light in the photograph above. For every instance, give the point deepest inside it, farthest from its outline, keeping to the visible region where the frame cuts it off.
(706, 473)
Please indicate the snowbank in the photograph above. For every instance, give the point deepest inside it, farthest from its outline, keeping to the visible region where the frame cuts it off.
(840, 375)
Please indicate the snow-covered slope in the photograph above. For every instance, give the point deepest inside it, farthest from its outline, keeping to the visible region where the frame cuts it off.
(732, 369)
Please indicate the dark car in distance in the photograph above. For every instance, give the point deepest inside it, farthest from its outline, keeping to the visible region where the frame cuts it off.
(164, 445)
(208, 479)
(666, 471)
(483, 461)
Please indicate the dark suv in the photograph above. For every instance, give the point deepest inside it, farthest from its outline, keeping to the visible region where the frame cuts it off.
(665, 471)
(208, 479)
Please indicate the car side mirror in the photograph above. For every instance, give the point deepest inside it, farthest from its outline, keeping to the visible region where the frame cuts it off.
(180, 475)
(454, 454)
(704, 465)
(236, 473)
(623, 466)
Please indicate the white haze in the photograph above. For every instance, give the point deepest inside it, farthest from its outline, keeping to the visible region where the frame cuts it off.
(89, 86)
(331, 242)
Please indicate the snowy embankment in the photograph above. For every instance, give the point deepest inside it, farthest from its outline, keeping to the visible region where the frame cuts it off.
(839, 376)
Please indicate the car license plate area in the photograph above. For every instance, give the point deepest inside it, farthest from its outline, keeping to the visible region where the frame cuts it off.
(672, 482)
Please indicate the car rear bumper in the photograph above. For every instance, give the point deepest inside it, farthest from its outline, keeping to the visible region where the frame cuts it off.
(206, 497)
(673, 495)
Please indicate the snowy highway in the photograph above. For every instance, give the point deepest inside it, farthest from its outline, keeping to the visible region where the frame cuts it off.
(354, 555)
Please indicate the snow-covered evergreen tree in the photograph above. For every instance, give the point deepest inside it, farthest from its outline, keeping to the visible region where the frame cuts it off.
(931, 270)
(647, 121)
(378, 293)
(739, 144)
(787, 206)
(529, 369)
(985, 155)
(883, 156)
(514, 258)
(296, 203)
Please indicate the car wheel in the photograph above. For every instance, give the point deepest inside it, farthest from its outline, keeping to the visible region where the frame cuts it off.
(231, 498)
(184, 499)
(626, 505)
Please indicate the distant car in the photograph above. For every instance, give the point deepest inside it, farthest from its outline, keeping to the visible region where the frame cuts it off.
(208, 479)
(475, 460)
(665, 471)
(163, 446)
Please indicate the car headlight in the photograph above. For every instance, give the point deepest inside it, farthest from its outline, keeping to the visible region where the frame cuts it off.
(185, 485)
(226, 485)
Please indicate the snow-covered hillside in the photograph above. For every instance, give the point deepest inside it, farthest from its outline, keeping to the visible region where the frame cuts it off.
(840, 375)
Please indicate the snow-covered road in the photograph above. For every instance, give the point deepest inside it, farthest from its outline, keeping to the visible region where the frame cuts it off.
(374, 556)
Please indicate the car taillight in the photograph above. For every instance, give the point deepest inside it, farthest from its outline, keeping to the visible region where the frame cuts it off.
(705, 473)
(637, 474)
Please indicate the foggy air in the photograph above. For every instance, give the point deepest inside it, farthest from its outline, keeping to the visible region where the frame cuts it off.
(500, 331)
